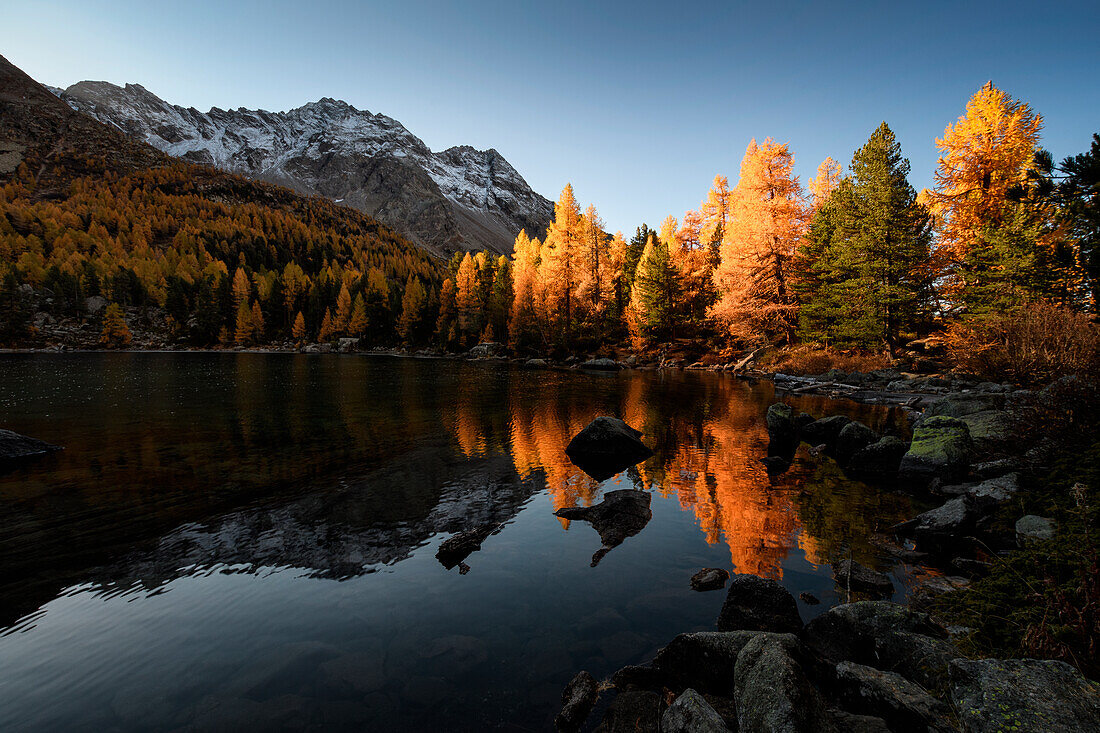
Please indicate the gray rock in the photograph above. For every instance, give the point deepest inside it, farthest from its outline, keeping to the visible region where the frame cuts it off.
(690, 713)
(94, 305)
(881, 458)
(905, 706)
(941, 448)
(606, 446)
(486, 349)
(852, 437)
(962, 404)
(633, 711)
(347, 345)
(1026, 695)
(601, 365)
(621, 514)
(702, 660)
(535, 363)
(576, 702)
(944, 528)
(772, 691)
(851, 723)
(782, 431)
(850, 574)
(758, 604)
(1031, 528)
(709, 579)
(989, 429)
(826, 430)
(15, 447)
(884, 635)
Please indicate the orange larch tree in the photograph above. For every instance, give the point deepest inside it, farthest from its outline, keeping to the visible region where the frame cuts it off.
(983, 155)
(768, 219)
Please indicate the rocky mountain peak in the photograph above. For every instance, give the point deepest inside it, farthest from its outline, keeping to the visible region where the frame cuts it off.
(459, 198)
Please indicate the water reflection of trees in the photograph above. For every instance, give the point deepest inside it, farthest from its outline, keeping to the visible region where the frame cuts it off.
(708, 433)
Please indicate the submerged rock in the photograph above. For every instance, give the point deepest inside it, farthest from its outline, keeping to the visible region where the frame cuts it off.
(576, 702)
(1026, 695)
(862, 579)
(758, 604)
(690, 713)
(709, 579)
(941, 448)
(15, 447)
(606, 446)
(621, 514)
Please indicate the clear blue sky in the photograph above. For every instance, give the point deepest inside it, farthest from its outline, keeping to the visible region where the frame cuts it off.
(639, 104)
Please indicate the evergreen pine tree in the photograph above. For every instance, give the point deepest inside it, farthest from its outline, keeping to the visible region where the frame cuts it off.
(868, 252)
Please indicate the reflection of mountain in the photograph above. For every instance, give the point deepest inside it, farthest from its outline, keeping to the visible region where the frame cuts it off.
(344, 530)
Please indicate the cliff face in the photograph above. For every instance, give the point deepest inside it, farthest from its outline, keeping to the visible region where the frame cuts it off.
(460, 198)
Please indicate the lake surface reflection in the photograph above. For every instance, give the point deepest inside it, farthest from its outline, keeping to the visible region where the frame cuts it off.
(248, 541)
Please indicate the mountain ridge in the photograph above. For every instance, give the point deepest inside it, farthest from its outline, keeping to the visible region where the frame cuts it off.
(453, 199)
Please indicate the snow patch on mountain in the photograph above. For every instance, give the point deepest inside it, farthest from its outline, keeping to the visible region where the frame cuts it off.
(330, 148)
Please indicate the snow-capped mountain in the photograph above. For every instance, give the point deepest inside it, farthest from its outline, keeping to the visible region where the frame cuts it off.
(460, 198)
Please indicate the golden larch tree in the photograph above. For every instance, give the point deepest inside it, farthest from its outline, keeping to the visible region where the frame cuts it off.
(714, 216)
(984, 154)
(525, 271)
(357, 321)
(298, 330)
(468, 296)
(825, 182)
(561, 264)
(768, 218)
(412, 308)
(115, 333)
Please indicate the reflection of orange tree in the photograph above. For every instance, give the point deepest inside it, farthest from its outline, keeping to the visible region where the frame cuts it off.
(540, 430)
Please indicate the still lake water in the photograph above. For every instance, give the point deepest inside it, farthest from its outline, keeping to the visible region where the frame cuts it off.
(247, 541)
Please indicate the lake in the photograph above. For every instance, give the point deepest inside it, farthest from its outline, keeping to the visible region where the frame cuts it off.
(247, 541)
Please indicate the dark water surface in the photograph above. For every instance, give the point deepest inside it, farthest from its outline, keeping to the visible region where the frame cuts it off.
(247, 541)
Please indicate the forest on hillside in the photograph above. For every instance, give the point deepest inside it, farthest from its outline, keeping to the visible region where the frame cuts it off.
(855, 259)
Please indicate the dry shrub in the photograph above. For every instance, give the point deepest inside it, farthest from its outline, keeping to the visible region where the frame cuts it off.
(1033, 345)
(804, 360)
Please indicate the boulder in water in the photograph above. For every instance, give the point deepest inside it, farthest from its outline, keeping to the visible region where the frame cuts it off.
(941, 448)
(709, 579)
(576, 702)
(606, 446)
(862, 579)
(758, 604)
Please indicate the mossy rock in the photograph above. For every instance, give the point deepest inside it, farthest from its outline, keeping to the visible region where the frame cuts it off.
(941, 447)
